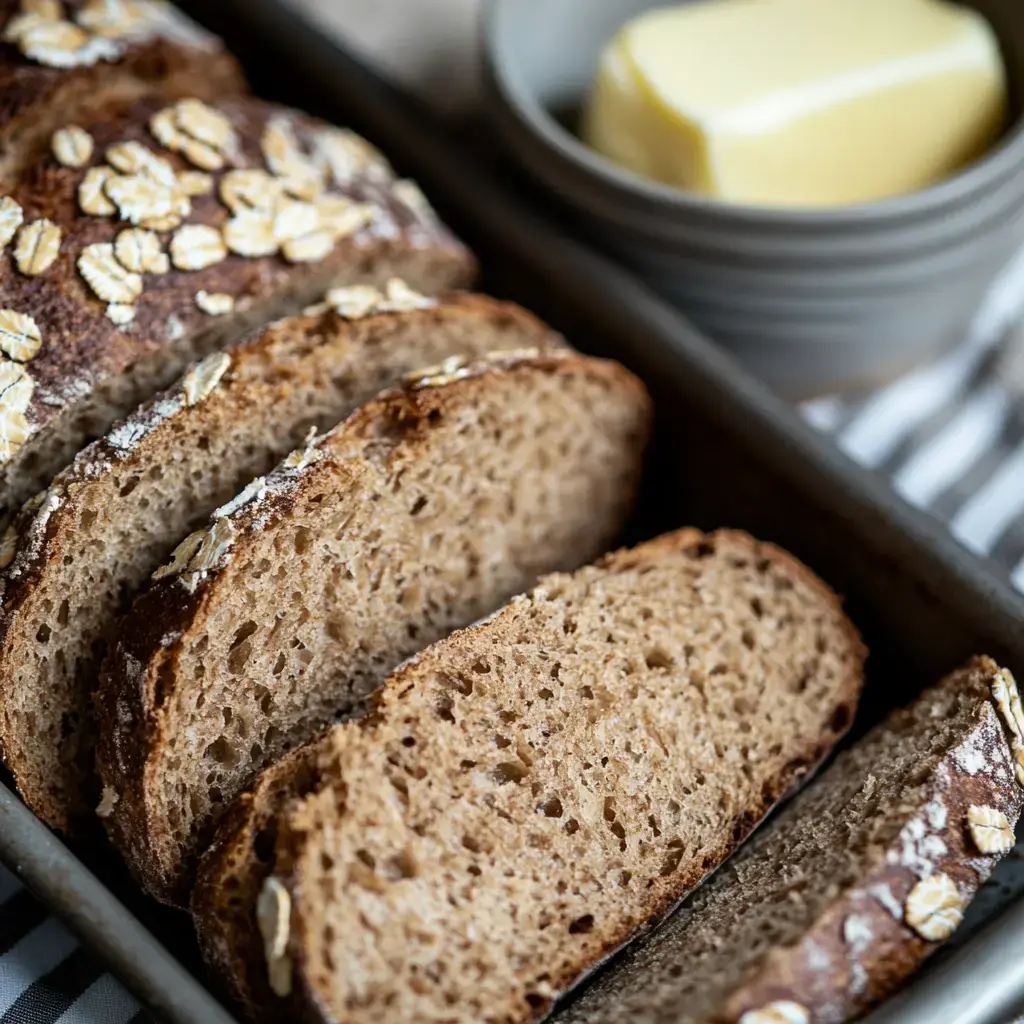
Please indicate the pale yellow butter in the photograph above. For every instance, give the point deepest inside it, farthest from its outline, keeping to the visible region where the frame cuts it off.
(799, 102)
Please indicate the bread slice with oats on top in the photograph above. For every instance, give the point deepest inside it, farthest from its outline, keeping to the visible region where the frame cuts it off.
(113, 516)
(63, 62)
(425, 509)
(187, 225)
(844, 894)
(529, 793)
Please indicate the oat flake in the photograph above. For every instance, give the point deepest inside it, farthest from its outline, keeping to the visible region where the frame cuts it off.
(215, 303)
(249, 188)
(139, 197)
(283, 155)
(251, 233)
(349, 155)
(37, 247)
(205, 124)
(273, 917)
(199, 382)
(16, 388)
(140, 251)
(59, 44)
(164, 129)
(105, 275)
(342, 216)
(295, 218)
(195, 183)
(48, 10)
(120, 313)
(205, 157)
(11, 216)
(934, 908)
(355, 301)
(311, 248)
(72, 146)
(134, 158)
(196, 247)
(990, 829)
(782, 1011)
(20, 337)
(92, 196)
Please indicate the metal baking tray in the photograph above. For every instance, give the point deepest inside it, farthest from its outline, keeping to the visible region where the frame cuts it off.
(726, 453)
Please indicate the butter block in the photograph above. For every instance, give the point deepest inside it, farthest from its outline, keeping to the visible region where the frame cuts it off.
(799, 102)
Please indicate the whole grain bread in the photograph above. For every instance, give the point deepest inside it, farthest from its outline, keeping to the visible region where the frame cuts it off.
(428, 507)
(65, 62)
(851, 887)
(526, 795)
(77, 555)
(233, 869)
(104, 297)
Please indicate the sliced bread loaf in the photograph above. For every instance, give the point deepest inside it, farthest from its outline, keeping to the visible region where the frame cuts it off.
(858, 880)
(529, 793)
(188, 224)
(425, 509)
(78, 553)
(67, 61)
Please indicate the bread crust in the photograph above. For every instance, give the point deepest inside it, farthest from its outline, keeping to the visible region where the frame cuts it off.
(859, 946)
(232, 870)
(859, 975)
(42, 532)
(36, 99)
(85, 358)
(142, 666)
(231, 955)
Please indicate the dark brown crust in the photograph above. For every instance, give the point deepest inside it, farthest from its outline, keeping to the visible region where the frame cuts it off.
(232, 871)
(808, 753)
(42, 534)
(852, 984)
(82, 349)
(152, 636)
(35, 99)
(859, 948)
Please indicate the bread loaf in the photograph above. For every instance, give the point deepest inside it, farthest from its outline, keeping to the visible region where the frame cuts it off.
(75, 556)
(67, 61)
(858, 880)
(425, 509)
(526, 795)
(189, 223)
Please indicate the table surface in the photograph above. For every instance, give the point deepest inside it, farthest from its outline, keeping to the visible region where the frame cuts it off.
(949, 436)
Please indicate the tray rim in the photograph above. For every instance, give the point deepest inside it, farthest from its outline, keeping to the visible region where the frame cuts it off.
(974, 589)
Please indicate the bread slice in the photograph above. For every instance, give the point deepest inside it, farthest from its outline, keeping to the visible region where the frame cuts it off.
(857, 881)
(88, 338)
(114, 515)
(428, 507)
(124, 50)
(529, 793)
(233, 869)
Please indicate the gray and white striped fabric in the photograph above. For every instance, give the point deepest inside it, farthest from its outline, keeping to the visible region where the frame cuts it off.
(949, 436)
(46, 977)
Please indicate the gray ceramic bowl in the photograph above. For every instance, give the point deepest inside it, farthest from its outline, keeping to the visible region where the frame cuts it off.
(810, 299)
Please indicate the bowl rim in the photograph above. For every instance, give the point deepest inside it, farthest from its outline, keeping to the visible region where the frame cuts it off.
(997, 162)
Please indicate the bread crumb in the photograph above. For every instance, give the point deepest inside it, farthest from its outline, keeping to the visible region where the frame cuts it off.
(108, 800)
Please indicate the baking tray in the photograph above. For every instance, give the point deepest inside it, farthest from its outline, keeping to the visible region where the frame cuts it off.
(726, 453)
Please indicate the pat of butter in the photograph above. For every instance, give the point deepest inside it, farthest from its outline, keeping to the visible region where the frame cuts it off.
(799, 102)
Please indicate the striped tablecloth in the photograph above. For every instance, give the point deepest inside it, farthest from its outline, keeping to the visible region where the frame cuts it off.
(950, 437)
